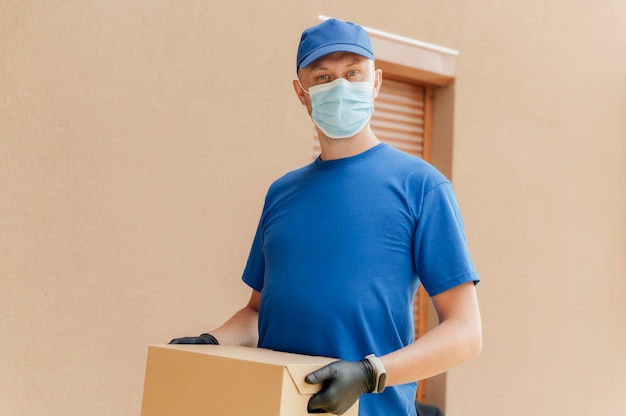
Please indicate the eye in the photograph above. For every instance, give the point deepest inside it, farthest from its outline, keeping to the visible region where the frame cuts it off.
(352, 74)
(324, 77)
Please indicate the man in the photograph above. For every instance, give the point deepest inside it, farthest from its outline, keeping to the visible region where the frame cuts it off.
(344, 242)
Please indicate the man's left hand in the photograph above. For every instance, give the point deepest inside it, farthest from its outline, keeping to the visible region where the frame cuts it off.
(343, 383)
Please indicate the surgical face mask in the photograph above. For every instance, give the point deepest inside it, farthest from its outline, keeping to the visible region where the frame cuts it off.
(341, 108)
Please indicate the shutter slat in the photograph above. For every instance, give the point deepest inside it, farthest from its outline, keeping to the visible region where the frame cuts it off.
(399, 116)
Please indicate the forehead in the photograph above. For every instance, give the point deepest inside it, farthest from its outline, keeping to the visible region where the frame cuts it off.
(337, 58)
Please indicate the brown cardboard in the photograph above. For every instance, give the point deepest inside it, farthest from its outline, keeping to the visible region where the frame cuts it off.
(222, 380)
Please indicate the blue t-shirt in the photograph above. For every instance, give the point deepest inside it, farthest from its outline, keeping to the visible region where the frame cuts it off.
(340, 250)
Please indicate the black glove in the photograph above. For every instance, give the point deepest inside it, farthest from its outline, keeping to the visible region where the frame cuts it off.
(343, 383)
(202, 339)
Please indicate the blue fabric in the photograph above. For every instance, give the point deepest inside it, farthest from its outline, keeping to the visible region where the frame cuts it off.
(340, 250)
(332, 36)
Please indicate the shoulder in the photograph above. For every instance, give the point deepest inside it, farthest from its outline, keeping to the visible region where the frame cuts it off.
(289, 180)
(412, 169)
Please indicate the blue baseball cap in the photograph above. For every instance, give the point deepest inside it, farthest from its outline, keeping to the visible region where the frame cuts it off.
(330, 36)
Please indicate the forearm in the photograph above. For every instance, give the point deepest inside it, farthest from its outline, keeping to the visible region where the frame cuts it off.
(240, 329)
(457, 338)
(442, 348)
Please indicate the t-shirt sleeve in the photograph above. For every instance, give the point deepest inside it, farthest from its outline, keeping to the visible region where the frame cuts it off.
(441, 254)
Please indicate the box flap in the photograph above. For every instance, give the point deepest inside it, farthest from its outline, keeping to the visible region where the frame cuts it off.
(299, 372)
(252, 354)
(297, 365)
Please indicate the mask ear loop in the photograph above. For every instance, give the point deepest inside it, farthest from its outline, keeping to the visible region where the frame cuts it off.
(300, 83)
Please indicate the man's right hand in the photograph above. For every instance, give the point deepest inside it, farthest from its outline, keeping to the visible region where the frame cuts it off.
(202, 339)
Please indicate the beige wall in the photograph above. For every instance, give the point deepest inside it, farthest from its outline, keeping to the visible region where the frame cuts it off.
(137, 139)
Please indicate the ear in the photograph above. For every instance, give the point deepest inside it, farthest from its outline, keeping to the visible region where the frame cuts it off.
(378, 81)
(299, 91)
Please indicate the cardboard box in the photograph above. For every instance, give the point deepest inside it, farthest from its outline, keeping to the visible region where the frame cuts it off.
(222, 380)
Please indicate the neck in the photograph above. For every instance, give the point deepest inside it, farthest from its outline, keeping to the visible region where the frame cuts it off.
(333, 149)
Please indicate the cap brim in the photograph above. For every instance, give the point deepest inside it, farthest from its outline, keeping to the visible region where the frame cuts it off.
(339, 47)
